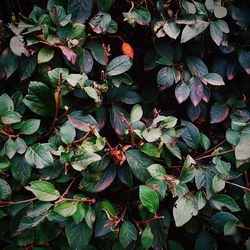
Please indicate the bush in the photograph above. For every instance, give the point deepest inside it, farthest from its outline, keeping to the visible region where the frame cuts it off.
(126, 125)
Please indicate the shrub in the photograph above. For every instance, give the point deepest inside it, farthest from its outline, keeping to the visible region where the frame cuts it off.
(125, 125)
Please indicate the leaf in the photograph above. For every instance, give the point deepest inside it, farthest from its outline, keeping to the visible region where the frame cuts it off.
(29, 127)
(73, 79)
(4, 164)
(67, 133)
(43, 190)
(66, 208)
(27, 67)
(205, 241)
(220, 11)
(232, 136)
(220, 219)
(127, 234)
(78, 235)
(97, 52)
(54, 75)
(152, 134)
(216, 33)
(171, 29)
(85, 159)
(244, 60)
(196, 66)
(10, 117)
(157, 171)
(5, 190)
(9, 148)
(147, 238)
(70, 55)
(242, 150)
(218, 184)
(138, 163)
(149, 198)
(40, 99)
(213, 79)
(6, 104)
(182, 92)
(150, 150)
(205, 142)
(45, 54)
(187, 172)
(165, 77)
(119, 65)
(105, 5)
(39, 156)
(136, 113)
(8, 63)
(218, 113)
(196, 90)
(191, 31)
(97, 182)
(247, 200)
(20, 169)
(80, 10)
(183, 210)
(222, 200)
(142, 15)
(100, 22)
(191, 135)
(92, 93)
(18, 47)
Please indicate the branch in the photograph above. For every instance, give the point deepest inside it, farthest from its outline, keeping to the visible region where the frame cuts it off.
(130, 129)
(8, 203)
(156, 217)
(8, 135)
(237, 185)
(213, 155)
(78, 200)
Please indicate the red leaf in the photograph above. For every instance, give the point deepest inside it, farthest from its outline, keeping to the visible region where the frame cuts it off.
(68, 53)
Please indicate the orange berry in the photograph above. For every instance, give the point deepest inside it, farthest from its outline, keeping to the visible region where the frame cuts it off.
(127, 50)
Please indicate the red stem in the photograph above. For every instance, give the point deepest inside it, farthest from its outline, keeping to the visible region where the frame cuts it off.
(213, 155)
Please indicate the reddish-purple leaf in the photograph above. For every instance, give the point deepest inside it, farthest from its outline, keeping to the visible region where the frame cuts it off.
(68, 53)
(196, 90)
(219, 112)
(78, 124)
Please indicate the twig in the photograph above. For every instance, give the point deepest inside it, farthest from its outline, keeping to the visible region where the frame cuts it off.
(8, 135)
(69, 186)
(237, 185)
(131, 131)
(243, 227)
(213, 155)
(8, 203)
(156, 217)
(78, 200)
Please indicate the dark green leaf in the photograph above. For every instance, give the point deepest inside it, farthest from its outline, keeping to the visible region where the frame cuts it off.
(119, 65)
(149, 198)
(127, 233)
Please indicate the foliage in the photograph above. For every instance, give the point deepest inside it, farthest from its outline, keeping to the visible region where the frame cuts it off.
(126, 125)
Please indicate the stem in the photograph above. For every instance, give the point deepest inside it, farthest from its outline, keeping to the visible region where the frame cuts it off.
(213, 155)
(237, 185)
(131, 131)
(212, 149)
(8, 135)
(156, 217)
(78, 200)
(243, 227)
(69, 186)
(173, 167)
(7, 203)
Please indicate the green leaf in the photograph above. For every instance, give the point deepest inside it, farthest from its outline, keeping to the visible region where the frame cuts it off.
(54, 75)
(67, 133)
(27, 67)
(97, 52)
(157, 171)
(5, 190)
(165, 77)
(191, 31)
(216, 33)
(127, 234)
(147, 238)
(149, 198)
(219, 220)
(78, 235)
(90, 217)
(182, 92)
(247, 200)
(105, 5)
(20, 169)
(187, 172)
(142, 15)
(219, 112)
(213, 79)
(136, 113)
(205, 142)
(222, 200)
(8, 63)
(150, 150)
(40, 99)
(183, 210)
(191, 135)
(151, 135)
(205, 241)
(39, 156)
(80, 10)
(85, 159)
(232, 136)
(9, 148)
(10, 117)
(73, 79)
(100, 22)
(45, 54)
(242, 150)
(119, 65)
(218, 184)
(138, 163)
(66, 208)
(43, 190)
(29, 127)
(4, 163)
(171, 29)
(223, 167)
(21, 145)
(6, 104)
(244, 60)
(92, 93)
